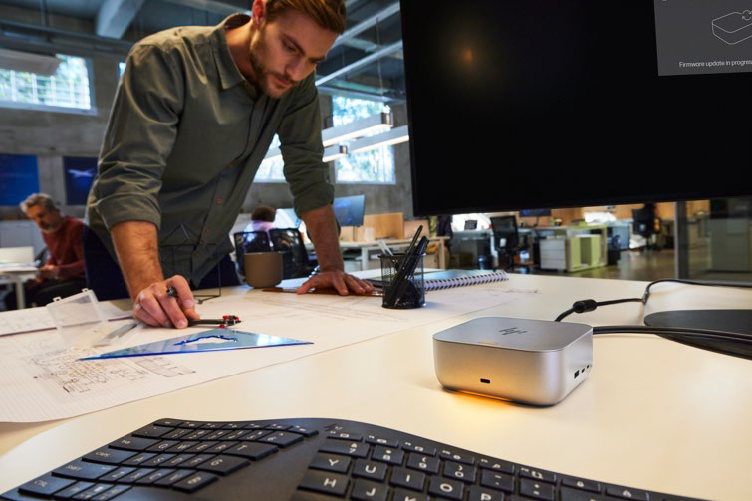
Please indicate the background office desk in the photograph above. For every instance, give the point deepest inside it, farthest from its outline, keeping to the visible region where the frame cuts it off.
(654, 414)
(370, 250)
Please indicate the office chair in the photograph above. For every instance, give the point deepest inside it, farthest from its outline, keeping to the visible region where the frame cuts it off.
(295, 262)
(506, 239)
(645, 224)
(249, 241)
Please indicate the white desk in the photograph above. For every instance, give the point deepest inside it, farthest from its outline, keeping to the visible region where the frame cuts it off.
(654, 414)
(17, 278)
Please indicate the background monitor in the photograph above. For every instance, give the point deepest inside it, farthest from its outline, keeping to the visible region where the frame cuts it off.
(286, 218)
(79, 176)
(535, 212)
(19, 178)
(541, 103)
(349, 211)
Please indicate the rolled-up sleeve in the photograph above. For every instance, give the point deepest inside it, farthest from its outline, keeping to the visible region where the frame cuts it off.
(139, 137)
(302, 150)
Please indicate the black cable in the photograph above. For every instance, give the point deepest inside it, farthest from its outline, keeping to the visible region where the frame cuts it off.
(678, 332)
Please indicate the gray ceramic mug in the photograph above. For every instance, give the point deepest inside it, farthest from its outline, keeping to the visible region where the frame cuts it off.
(263, 269)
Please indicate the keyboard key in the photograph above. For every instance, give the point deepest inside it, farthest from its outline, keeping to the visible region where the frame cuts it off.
(579, 483)
(236, 434)
(569, 494)
(386, 442)
(446, 488)
(325, 482)
(331, 462)
(282, 439)
(459, 471)
(404, 495)
(118, 474)
(221, 447)
(498, 481)
(255, 434)
(496, 465)
(307, 432)
(162, 446)
(386, 455)
(109, 455)
(423, 463)
(176, 434)
(402, 477)
(217, 435)
(170, 423)
(484, 494)
(224, 465)
(158, 460)
(139, 458)
(537, 490)
(111, 493)
(370, 470)
(173, 477)
(545, 476)
(419, 448)
(626, 493)
(195, 481)
(364, 490)
(154, 476)
(134, 443)
(93, 491)
(179, 459)
(345, 435)
(46, 485)
(196, 460)
(453, 456)
(191, 424)
(182, 446)
(83, 470)
(74, 489)
(137, 475)
(151, 431)
(196, 434)
(355, 449)
(252, 450)
(277, 426)
(202, 446)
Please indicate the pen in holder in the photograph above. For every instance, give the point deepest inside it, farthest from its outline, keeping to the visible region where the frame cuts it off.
(402, 281)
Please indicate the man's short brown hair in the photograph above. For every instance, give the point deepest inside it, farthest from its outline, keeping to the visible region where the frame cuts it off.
(329, 14)
(35, 199)
(263, 213)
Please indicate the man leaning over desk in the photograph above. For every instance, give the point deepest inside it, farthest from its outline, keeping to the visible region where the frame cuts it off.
(193, 117)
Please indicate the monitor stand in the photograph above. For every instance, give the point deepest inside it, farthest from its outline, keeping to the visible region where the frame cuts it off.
(732, 321)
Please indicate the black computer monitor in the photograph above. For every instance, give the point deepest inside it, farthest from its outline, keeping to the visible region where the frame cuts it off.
(542, 103)
(535, 212)
(520, 104)
(349, 211)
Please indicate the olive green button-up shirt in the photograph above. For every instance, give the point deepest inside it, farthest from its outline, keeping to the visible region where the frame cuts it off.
(185, 138)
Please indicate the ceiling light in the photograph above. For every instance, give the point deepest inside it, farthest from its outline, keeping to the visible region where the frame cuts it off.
(334, 152)
(28, 62)
(358, 128)
(393, 136)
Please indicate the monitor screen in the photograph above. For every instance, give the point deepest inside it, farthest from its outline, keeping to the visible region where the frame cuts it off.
(535, 212)
(286, 218)
(79, 176)
(519, 104)
(19, 178)
(349, 211)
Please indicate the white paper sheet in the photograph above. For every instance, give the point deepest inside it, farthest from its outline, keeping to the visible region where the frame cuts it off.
(41, 380)
(39, 319)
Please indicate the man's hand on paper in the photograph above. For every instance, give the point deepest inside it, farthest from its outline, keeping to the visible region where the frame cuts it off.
(342, 282)
(155, 307)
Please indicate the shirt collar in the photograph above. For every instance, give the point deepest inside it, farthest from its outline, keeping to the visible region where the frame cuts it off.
(229, 74)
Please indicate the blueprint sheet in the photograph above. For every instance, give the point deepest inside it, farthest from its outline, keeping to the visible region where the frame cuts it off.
(40, 379)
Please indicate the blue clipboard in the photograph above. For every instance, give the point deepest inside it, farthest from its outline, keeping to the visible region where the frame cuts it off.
(201, 342)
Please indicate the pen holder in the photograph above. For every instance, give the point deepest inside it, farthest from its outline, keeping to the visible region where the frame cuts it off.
(402, 281)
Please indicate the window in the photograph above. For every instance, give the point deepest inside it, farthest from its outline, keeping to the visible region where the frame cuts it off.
(67, 90)
(121, 68)
(271, 171)
(374, 166)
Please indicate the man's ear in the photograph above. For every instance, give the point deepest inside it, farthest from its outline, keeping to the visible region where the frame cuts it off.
(258, 13)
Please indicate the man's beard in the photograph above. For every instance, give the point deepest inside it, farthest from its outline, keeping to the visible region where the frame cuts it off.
(263, 76)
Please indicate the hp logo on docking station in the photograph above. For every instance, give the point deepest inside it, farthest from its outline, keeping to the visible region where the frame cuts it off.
(511, 330)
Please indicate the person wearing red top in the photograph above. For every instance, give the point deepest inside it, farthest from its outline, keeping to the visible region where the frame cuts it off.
(64, 273)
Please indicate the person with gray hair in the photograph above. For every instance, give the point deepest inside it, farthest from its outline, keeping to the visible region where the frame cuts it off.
(63, 273)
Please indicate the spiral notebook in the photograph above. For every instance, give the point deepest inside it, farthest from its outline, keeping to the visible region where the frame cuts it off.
(445, 279)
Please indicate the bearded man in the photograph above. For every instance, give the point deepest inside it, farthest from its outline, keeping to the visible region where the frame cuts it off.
(193, 117)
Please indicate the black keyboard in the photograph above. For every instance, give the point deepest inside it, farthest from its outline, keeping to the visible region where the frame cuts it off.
(303, 460)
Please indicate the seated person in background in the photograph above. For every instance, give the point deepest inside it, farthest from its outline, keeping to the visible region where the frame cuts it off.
(262, 219)
(63, 274)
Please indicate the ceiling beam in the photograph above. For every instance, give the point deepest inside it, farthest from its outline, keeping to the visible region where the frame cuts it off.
(114, 17)
(359, 28)
(214, 6)
(387, 50)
